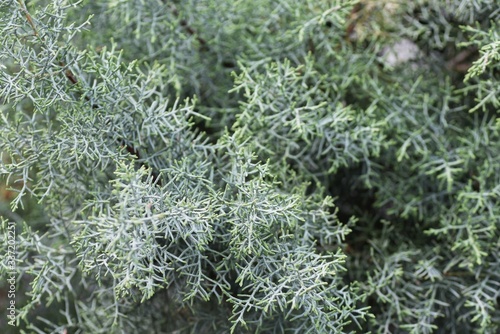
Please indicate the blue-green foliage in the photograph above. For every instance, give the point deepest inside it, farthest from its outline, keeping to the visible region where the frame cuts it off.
(261, 167)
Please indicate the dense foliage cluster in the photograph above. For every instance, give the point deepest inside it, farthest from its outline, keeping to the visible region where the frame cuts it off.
(294, 166)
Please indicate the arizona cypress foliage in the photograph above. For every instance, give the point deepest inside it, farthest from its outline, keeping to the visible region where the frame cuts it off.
(251, 167)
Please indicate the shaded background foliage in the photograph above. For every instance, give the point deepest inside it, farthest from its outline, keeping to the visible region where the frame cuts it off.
(270, 166)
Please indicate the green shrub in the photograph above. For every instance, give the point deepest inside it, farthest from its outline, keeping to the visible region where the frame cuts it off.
(262, 166)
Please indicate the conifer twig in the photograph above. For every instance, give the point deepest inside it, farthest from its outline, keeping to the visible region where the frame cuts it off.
(74, 80)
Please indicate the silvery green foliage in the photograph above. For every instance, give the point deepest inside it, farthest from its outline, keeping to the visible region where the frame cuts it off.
(140, 203)
(221, 166)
